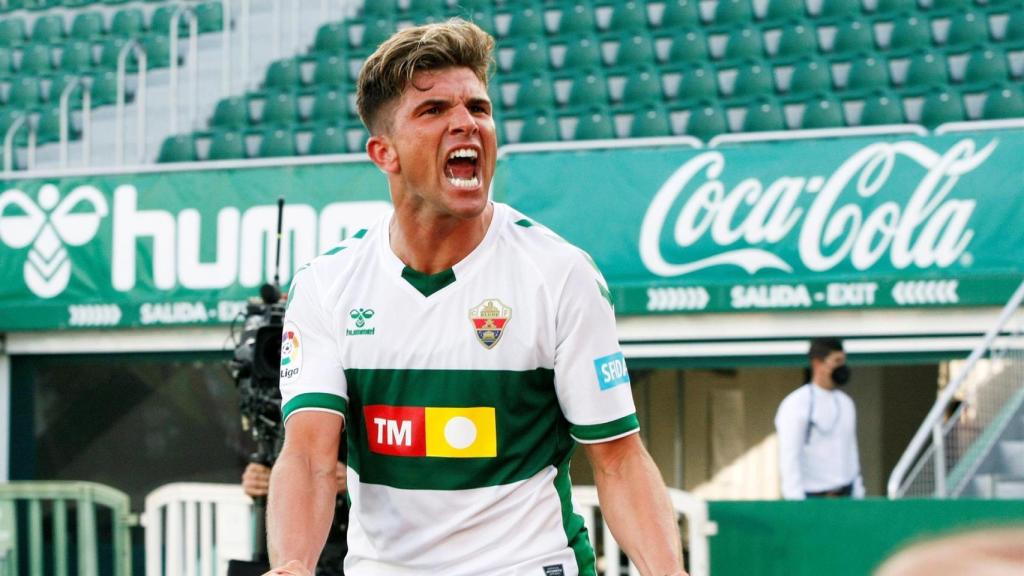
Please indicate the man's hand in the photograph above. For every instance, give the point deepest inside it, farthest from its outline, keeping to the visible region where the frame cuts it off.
(256, 480)
(341, 475)
(293, 568)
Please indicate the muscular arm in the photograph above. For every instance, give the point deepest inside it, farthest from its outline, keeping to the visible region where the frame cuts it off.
(636, 506)
(302, 489)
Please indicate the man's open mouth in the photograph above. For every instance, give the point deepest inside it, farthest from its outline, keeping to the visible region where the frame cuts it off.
(460, 169)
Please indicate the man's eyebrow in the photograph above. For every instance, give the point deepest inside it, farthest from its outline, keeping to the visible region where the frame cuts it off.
(430, 103)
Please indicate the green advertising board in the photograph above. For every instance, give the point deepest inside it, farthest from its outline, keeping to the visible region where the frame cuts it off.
(841, 223)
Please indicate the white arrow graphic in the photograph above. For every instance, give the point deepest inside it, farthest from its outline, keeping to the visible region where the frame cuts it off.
(677, 298)
(918, 292)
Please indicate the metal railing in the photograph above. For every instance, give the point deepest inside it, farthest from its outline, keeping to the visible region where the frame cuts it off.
(65, 119)
(189, 14)
(21, 121)
(134, 47)
(966, 419)
(37, 504)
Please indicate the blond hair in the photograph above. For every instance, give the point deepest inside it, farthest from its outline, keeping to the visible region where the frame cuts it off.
(389, 70)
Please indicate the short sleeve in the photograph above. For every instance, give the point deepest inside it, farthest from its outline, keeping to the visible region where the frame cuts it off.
(311, 371)
(591, 379)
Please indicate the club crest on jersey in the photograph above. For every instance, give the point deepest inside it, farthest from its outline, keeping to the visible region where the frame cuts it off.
(489, 319)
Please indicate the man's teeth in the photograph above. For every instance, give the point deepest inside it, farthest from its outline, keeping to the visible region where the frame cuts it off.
(464, 182)
(462, 153)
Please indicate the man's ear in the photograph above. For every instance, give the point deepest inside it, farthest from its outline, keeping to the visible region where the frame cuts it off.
(383, 154)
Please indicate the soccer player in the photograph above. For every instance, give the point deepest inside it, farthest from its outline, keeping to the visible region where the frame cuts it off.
(466, 349)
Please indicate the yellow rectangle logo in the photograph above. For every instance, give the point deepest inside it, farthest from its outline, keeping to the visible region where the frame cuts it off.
(461, 432)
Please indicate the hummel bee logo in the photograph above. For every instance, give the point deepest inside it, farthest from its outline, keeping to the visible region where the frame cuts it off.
(360, 316)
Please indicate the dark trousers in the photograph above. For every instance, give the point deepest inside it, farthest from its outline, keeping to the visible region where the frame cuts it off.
(841, 492)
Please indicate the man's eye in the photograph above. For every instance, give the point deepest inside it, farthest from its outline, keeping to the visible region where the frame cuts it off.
(433, 110)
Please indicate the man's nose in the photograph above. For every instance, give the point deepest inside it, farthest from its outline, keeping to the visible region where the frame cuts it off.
(462, 121)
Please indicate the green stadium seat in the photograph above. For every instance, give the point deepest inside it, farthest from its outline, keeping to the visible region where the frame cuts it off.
(57, 84)
(76, 56)
(534, 91)
(867, 74)
(839, 9)
(785, 10)
(481, 14)
(356, 136)
(582, 52)
(210, 16)
(328, 139)
(130, 23)
(706, 121)
(852, 37)
(178, 148)
(110, 48)
(331, 38)
(380, 8)
(628, 16)
(881, 108)
(226, 145)
(796, 41)
(924, 69)
(280, 109)
(525, 22)
(909, 33)
(986, 66)
(634, 50)
(809, 77)
(160, 22)
(158, 50)
(283, 74)
(762, 116)
(895, 7)
(538, 126)
(330, 106)
(1014, 37)
(681, 14)
(87, 26)
(77, 3)
(115, 2)
(6, 63)
(941, 106)
(825, 112)
(12, 31)
(36, 59)
(642, 86)
(330, 70)
(698, 83)
(426, 5)
(732, 12)
(104, 88)
(575, 18)
(231, 113)
(528, 56)
(25, 92)
(1005, 101)
(277, 143)
(688, 46)
(753, 79)
(375, 32)
(966, 30)
(595, 124)
(7, 118)
(650, 121)
(48, 29)
(588, 89)
(950, 5)
(743, 44)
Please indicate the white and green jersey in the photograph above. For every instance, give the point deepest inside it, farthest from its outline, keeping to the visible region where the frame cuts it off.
(464, 394)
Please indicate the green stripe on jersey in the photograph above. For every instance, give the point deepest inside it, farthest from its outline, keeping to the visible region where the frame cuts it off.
(314, 400)
(572, 523)
(531, 432)
(598, 432)
(428, 284)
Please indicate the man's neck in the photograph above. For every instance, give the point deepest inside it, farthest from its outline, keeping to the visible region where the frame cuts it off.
(828, 387)
(429, 244)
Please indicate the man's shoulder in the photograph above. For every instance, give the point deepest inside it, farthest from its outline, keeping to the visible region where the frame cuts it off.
(540, 243)
(796, 397)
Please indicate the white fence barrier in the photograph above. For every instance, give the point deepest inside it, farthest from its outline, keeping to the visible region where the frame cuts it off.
(195, 529)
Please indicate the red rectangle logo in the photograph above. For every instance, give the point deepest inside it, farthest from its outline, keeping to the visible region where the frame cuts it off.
(395, 430)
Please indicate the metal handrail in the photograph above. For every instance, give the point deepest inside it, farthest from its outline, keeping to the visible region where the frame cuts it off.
(65, 118)
(933, 422)
(12, 131)
(246, 42)
(193, 51)
(225, 49)
(140, 102)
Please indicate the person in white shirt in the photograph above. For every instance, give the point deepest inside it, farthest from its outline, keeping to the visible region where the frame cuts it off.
(817, 427)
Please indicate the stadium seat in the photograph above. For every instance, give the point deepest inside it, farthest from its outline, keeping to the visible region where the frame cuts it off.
(328, 139)
(530, 55)
(280, 109)
(706, 122)
(538, 126)
(986, 67)
(1005, 101)
(276, 143)
(650, 121)
(595, 124)
(1014, 37)
(909, 33)
(25, 92)
(852, 37)
(582, 52)
(110, 48)
(104, 88)
(762, 116)
(57, 84)
(867, 73)
(796, 41)
(129, 23)
(576, 18)
(950, 5)
(6, 63)
(76, 56)
(231, 113)
(12, 31)
(784, 10)
(743, 44)
(824, 112)
(881, 108)
(283, 75)
(210, 16)
(681, 14)
(698, 83)
(925, 69)
(810, 77)
(525, 22)
(534, 91)
(48, 29)
(895, 6)
(160, 22)
(839, 9)
(87, 26)
(634, 50)
(158, 50)
(752, 79)
(331, 38)
(330, 70)
(628, 16)
(587, 89)
(178, 148)
(426, 5)
(36, 59)
(966, 30)
(380, 8)
(642, 86)
(688, 46)
(941, 106)
(375, 32)
(226, 145)
(329, 106)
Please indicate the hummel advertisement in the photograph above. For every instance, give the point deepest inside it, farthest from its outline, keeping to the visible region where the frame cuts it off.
(841, 223)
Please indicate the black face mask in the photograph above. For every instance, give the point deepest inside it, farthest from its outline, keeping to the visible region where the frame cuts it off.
(841, 375)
